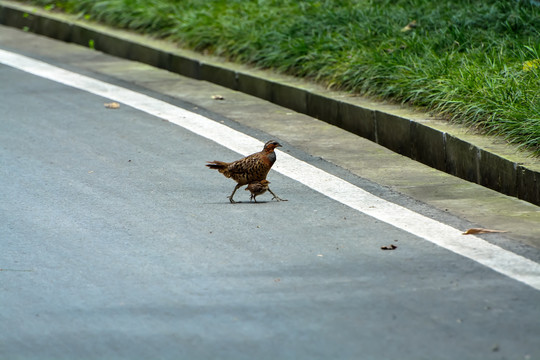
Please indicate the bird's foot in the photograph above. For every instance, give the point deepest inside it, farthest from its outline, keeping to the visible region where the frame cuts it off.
(231, 200)
(277, 198)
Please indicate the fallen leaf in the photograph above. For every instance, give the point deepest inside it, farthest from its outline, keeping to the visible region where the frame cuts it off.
(390, 247)
(482, 231)
(218, 97)
(409, 26)
(112, 105)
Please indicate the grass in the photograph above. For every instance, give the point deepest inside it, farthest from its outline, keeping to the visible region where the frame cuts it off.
(472, 61)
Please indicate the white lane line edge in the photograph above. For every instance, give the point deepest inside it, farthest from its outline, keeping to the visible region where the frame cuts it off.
(472, 247)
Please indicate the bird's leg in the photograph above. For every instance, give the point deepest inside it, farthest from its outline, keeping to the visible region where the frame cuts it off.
(231, 196)
(275, 196)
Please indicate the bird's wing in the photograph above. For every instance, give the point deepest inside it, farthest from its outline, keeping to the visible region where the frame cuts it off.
(244, 165)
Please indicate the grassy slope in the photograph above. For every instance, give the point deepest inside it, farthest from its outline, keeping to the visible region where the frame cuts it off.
(464, 59)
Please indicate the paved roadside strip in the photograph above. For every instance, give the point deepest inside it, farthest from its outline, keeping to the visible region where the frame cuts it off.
(483, 160)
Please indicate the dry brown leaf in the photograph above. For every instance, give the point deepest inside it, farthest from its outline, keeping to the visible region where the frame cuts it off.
(112, 105)
(409, 26)
(390, 247)
(482, 231)
(218, 97)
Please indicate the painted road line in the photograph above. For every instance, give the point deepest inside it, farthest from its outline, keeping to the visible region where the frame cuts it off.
(472, 247)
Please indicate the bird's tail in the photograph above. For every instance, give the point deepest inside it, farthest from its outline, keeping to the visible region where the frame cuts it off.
(218, 165)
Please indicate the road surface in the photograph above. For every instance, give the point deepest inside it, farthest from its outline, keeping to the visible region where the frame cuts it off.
(117, 242)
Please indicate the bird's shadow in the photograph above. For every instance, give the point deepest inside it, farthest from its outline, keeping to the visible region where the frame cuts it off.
(248, 202)
(242, 202)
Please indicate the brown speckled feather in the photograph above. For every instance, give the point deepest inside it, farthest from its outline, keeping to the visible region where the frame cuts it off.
(254, 167)
(257, 188)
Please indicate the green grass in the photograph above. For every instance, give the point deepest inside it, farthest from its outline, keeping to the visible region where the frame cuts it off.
(470, 61)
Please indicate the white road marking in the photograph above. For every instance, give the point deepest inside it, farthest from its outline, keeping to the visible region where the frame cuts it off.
(472, 247)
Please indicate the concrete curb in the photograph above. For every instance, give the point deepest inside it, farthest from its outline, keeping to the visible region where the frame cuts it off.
(484, 160)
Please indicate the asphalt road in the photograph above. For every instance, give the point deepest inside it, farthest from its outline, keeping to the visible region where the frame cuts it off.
(117, 242)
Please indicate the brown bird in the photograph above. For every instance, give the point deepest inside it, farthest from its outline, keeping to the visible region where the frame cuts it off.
(252, 168)
(257, 188)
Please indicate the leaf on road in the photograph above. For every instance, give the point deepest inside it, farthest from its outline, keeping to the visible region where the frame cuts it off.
(482, 231)
(389, 247)
(112, 105)
(218, 97)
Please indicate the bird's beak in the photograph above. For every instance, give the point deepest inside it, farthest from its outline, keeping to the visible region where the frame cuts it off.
(278, 145)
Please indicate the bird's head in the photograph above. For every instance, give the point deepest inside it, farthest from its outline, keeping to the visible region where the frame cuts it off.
(265, 182)
(271, 145)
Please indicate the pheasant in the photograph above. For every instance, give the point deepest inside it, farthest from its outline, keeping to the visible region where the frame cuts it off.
(252, 168)
(257, 188)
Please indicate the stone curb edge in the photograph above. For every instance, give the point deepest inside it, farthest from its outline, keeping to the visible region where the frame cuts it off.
(480, 159)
